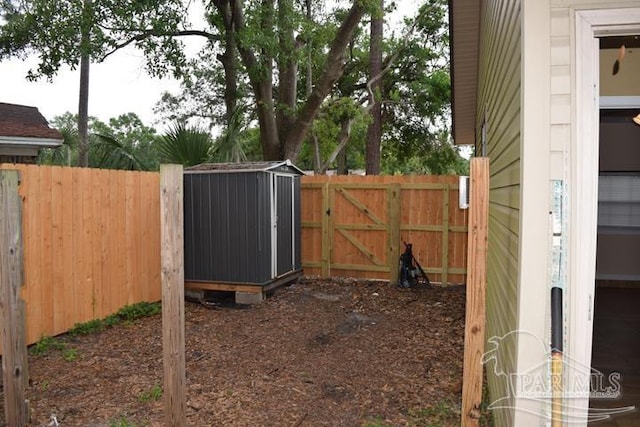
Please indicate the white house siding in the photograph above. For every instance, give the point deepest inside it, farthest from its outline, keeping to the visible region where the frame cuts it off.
(499, 102)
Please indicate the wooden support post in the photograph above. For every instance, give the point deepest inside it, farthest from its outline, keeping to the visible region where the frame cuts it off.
(14, 349)
(474, 334)
(172, 258)
(327, 236)
(444, 277)
(393, 231)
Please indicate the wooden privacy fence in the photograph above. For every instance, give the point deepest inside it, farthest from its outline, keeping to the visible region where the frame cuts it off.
(91, 244)
(92, 237)
(354, 226)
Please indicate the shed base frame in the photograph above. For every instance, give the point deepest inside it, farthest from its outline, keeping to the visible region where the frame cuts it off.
(244, 291)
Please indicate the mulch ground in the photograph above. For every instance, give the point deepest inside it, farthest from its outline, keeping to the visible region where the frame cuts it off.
(316, 353)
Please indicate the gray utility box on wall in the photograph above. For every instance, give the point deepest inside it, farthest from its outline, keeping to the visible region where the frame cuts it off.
(242, 226)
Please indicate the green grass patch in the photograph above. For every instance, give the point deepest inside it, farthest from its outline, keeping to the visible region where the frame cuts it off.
(123, 422)
(70, 354)
(377, 422)
(86, 328)
(45, 345)
(128, 313)
(152, 395)
(442, 414)
(141, 309)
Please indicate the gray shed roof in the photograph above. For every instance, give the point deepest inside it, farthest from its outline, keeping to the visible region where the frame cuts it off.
(279, 166)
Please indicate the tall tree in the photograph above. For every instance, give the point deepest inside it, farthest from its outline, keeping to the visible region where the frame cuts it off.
(414, 98)
(374, 133)
(156, 28)
(83, 93)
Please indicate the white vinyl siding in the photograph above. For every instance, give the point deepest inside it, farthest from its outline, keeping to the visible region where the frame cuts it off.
(499, 98)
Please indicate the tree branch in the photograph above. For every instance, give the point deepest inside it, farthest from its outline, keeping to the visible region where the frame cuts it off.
(145, 34)
(389, 60)
(343, 138)
(333, 71)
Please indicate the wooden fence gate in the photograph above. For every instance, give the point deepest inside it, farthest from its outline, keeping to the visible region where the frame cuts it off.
(355, 226)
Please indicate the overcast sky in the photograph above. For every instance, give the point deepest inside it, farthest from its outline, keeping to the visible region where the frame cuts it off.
(117, 86)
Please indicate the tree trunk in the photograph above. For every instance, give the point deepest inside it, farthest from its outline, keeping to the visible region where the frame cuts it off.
(317, 160)
(260, 77)
(374, 132)
(332, 72)
(83, 98)
(287, 70)
(228, 60)
(341, 162)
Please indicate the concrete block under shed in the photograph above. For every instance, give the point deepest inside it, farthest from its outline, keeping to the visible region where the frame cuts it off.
(250, 297)
(194, 294)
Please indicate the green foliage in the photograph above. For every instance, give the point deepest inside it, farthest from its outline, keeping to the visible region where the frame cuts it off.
(152, 395)
(273, 35)
(45, 345)
(186, 145)
(70, 354)
(139, 310)
(377, 422)
(86, 328)
(52, 30)
(442, 414)
(123, 422)
(111, 320)
(235, 144)
(124, 143)
(435, 157)
(128, 313)
(326, 129)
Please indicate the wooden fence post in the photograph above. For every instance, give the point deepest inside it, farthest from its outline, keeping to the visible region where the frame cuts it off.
(172, 257)
(14, 349)
(476, 289)
(327, 238)
(393, 230)
(444, 277)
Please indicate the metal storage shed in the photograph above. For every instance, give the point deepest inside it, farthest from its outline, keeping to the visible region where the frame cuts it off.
(242, 227)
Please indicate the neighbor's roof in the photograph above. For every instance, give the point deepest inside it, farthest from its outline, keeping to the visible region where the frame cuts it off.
(25, 125)
(279, 166)
(464, 24)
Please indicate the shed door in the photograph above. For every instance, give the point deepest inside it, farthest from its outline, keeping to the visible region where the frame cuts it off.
(284, 224)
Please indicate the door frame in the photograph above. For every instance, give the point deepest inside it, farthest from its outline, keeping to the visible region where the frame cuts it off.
(589, 25)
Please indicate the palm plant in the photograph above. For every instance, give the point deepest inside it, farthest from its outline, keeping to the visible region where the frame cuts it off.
(64, 155)
(230, 147)
(186, 145)
(106, 152)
